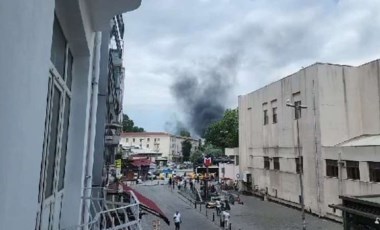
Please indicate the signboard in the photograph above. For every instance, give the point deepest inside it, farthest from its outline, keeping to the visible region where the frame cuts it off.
(207, 161)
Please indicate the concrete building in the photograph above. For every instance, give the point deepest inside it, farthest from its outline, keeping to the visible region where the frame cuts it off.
(54, 67)
(168, 144)
(339, 136)
(230, 170)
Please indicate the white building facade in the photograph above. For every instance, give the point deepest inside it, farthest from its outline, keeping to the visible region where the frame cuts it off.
(50, 101)
(169, 145)
(339, 136)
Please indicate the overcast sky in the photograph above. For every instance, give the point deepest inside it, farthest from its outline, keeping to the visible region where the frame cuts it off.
(270, 39)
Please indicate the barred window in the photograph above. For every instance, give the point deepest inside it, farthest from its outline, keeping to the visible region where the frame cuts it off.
(299, 164)
(353, 171)
(266, 118)
(276, 163)
(374, 171)
(274, 115)
(332, 168)
(297, 114)
(266, 163)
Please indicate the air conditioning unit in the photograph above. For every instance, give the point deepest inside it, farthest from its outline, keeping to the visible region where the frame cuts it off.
(342, 163)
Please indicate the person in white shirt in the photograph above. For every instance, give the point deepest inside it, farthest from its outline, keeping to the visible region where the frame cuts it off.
(177, 220)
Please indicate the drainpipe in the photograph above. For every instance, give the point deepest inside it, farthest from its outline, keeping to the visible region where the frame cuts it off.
(317, 157)
(340, 178)
(92, 129)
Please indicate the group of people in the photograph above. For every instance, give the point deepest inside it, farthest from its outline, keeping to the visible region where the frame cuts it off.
(181, 183)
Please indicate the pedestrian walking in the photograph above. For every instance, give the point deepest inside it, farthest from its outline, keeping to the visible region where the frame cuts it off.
(170, 181)
(177, 220)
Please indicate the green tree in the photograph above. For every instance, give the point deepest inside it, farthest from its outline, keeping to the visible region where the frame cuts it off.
(225, 132)
(184, 133)
(196, 157)
(186, 150)
(129, 125)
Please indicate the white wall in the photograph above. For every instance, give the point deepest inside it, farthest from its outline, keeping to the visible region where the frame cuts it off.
(342, 104)
(335, 187)
(24, 63)
(257, 140)
(230, 171)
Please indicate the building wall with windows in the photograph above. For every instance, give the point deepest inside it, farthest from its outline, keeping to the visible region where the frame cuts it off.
(169, 145)
(49, 95)
(342, 105)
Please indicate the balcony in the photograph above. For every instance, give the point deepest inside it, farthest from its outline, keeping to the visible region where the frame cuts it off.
(112, 135)
(108, 209)
(111, 140)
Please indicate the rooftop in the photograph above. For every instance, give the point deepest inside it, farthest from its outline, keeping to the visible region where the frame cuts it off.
(363, 140)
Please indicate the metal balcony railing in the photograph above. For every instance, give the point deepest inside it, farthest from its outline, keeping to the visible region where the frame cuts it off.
(106, 211)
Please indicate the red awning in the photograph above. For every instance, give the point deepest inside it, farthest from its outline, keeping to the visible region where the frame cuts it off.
(141, 162)
(147, 204)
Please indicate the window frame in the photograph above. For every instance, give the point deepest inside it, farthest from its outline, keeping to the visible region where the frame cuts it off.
(276, 163)
(266, 163)
(266, 117)
(374, 171)
(297, 110)
(332, 168)
(353, 170)
(274, 115)
(299, 164)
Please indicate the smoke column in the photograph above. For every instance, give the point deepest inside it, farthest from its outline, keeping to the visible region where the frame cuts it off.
(201, 92)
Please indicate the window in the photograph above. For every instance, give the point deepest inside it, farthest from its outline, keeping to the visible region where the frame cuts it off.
(52, 151)
(266, 163)
(299, 164)
(126, 139)
(65, 133)
(147, 145)
(58, 48)
(58, 113)
(274, 115)
(133, 140)
(374, 171)
(276, 163)
(158, 139)
(237, 160)
(297, 113)
(353, 171)
(266, 117)
(148, 139)
(154, 139)
(332, 168)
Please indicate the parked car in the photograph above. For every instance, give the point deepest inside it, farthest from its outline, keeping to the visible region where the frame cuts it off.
(151, 176)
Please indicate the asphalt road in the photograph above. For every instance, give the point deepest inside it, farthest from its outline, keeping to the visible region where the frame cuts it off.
(255, 214)
(169, 202)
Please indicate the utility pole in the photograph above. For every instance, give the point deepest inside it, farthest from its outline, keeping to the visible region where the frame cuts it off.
(297, 110)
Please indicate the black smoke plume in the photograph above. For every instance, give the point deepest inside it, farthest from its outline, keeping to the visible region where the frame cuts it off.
(202, 91)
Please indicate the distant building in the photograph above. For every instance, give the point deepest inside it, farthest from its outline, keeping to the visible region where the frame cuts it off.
(230, 170)
(339, 136)
(168, 144)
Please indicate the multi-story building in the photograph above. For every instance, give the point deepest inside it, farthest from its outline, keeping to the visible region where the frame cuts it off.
(55, 92)
(339, 136)
(169, 145)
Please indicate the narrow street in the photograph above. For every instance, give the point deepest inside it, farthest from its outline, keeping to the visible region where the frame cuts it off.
(254, 214)
(169, 202)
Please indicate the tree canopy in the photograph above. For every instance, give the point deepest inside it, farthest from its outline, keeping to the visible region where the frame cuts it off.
(225, 132)
(184, 133)
(129, 125)
(186, 150)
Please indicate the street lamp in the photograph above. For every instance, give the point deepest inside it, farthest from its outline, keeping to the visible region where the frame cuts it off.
(297, 109)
